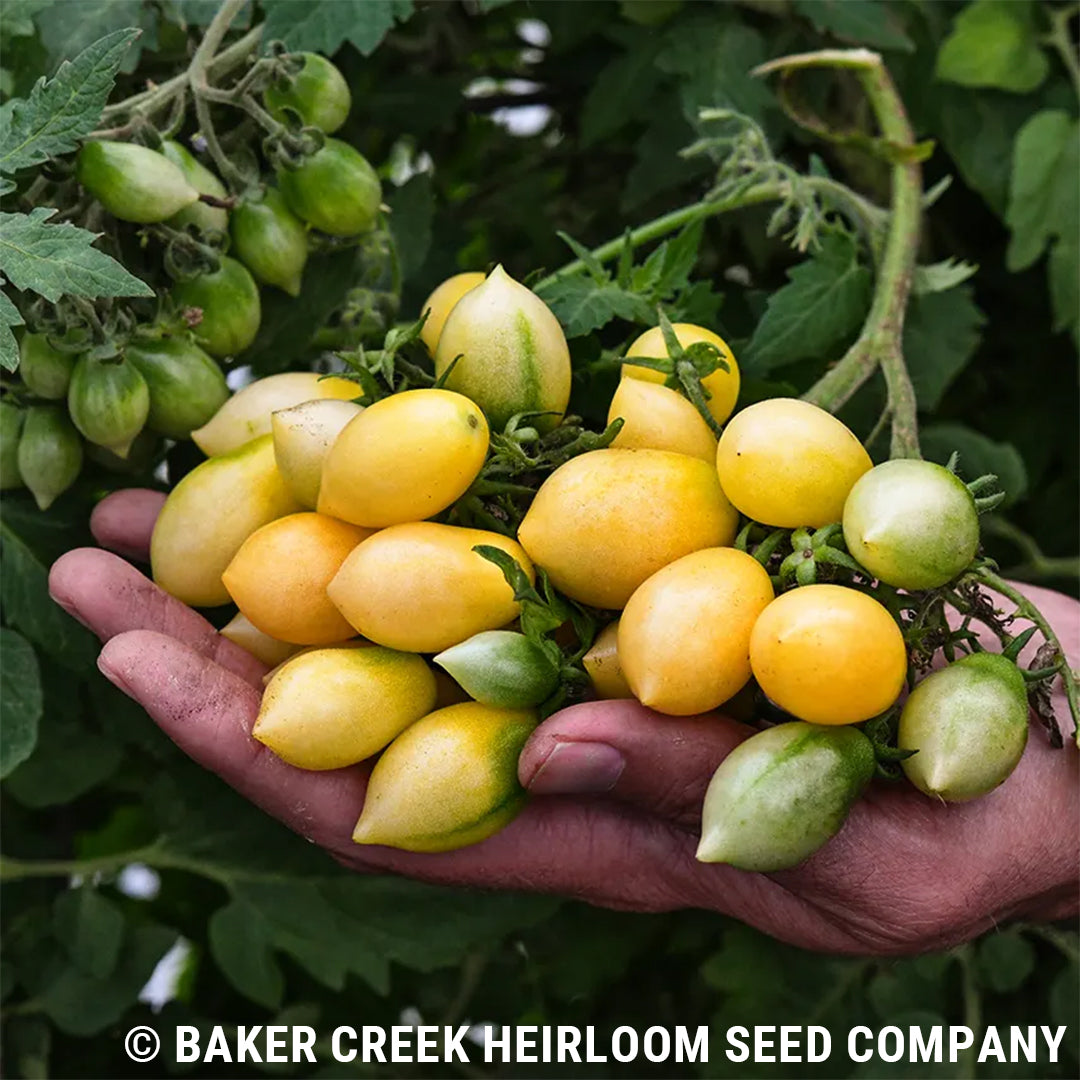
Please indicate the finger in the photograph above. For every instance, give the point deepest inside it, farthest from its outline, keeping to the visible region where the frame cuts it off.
(660, 764)
(110, 596)
(124, 521)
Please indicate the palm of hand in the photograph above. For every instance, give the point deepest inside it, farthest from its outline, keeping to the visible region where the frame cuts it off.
(619, 791)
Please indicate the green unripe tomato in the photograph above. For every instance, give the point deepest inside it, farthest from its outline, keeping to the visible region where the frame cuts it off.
(45, 370)
(108, 401)
(132, 182)
(50, 453)
(782, 794)
(335, 190)
(231, 310)
(11, 424)
(270, 240)
(186, 385)
(912, 524)
(501, 668)
(969, 724)
(318, 93)
(203, 216)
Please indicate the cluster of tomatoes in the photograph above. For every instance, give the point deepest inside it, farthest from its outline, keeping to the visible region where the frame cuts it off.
(696, 555)
(128, 383)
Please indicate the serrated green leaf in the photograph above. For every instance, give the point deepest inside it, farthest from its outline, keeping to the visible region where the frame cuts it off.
(9, 348)
(412, 213)
(240, 942)
(618, 93)
(59, 260)
(61, 110)
(979, 455)
(994, 44)
(941, 276)
(325, 25)
(1005, 960)
(861, 22)
(942, 330)
(583, 305)
(20, 700)
(91, 929)
(823, 303)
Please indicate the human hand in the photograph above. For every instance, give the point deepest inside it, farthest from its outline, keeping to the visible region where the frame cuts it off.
(619, 790)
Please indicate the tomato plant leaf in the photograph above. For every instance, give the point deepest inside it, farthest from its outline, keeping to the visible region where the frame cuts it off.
(91, 929)
(941, 276)
(995, 45)
(619, 91)
(9, 348)
(583, 305)
(412, 213)
(1005, 959)
(61, 110)
(20, 700)
(57, 260)
(863, 22)
(824, 302)
(240, 942)
(325, 25)
(942, 330)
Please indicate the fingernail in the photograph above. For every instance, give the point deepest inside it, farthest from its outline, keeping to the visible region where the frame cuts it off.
(112, 674)
(70, 607)
(578, 768)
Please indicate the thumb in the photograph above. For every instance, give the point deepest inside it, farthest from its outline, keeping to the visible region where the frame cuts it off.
(661, 764)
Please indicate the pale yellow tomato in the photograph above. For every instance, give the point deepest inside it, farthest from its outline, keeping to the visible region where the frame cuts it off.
(723, 386)
(602, 665)
(608, 519)
(787, 463)
(240, 631)
(303, 436)
(421, 588)
(405, 458)
(828, 654)
(684, 637)
(657, 418)
(441, 302)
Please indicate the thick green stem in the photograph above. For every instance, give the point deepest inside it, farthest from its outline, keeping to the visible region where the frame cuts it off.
(21, 869)
(1060, 38)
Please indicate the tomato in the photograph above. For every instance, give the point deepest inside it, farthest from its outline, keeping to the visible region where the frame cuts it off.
(109, 402)
(240, 631)
(969, 724)
(335, 190)
(447, 781)
(278, 578)
(247, 414)
(229, 301)
(329, 708)
(405, 458)
(49, 454)
(912, 524)
(608, 519)
(318, 93)
(787, 463)
(782, 794)
(603, 666)
(11, 424)
(270, 240)
(723, 386)
(186, 386)
(657, 418)
(209, 515)
(132, 182)
(45, 370)
(441, 302)
(828, 654)
(503, 668)
(684, 636)
(513, 355)
(420, 587)
(303, 436)
(203, 216)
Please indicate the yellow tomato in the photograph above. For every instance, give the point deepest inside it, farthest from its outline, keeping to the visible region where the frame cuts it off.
(421, 587)
(723, 386)
(448, 781)
(278, 578)
(329, 708)
(606, 520)
(405, 458)
(441, 302)
(787, 463)
(684, 638)
(657, 418)
(303, 436)
(603, 667)
(246, 415)
(240, 631)
(209, 514)
(828, 654)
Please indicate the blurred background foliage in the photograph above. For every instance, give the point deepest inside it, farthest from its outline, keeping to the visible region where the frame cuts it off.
(498, 123)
